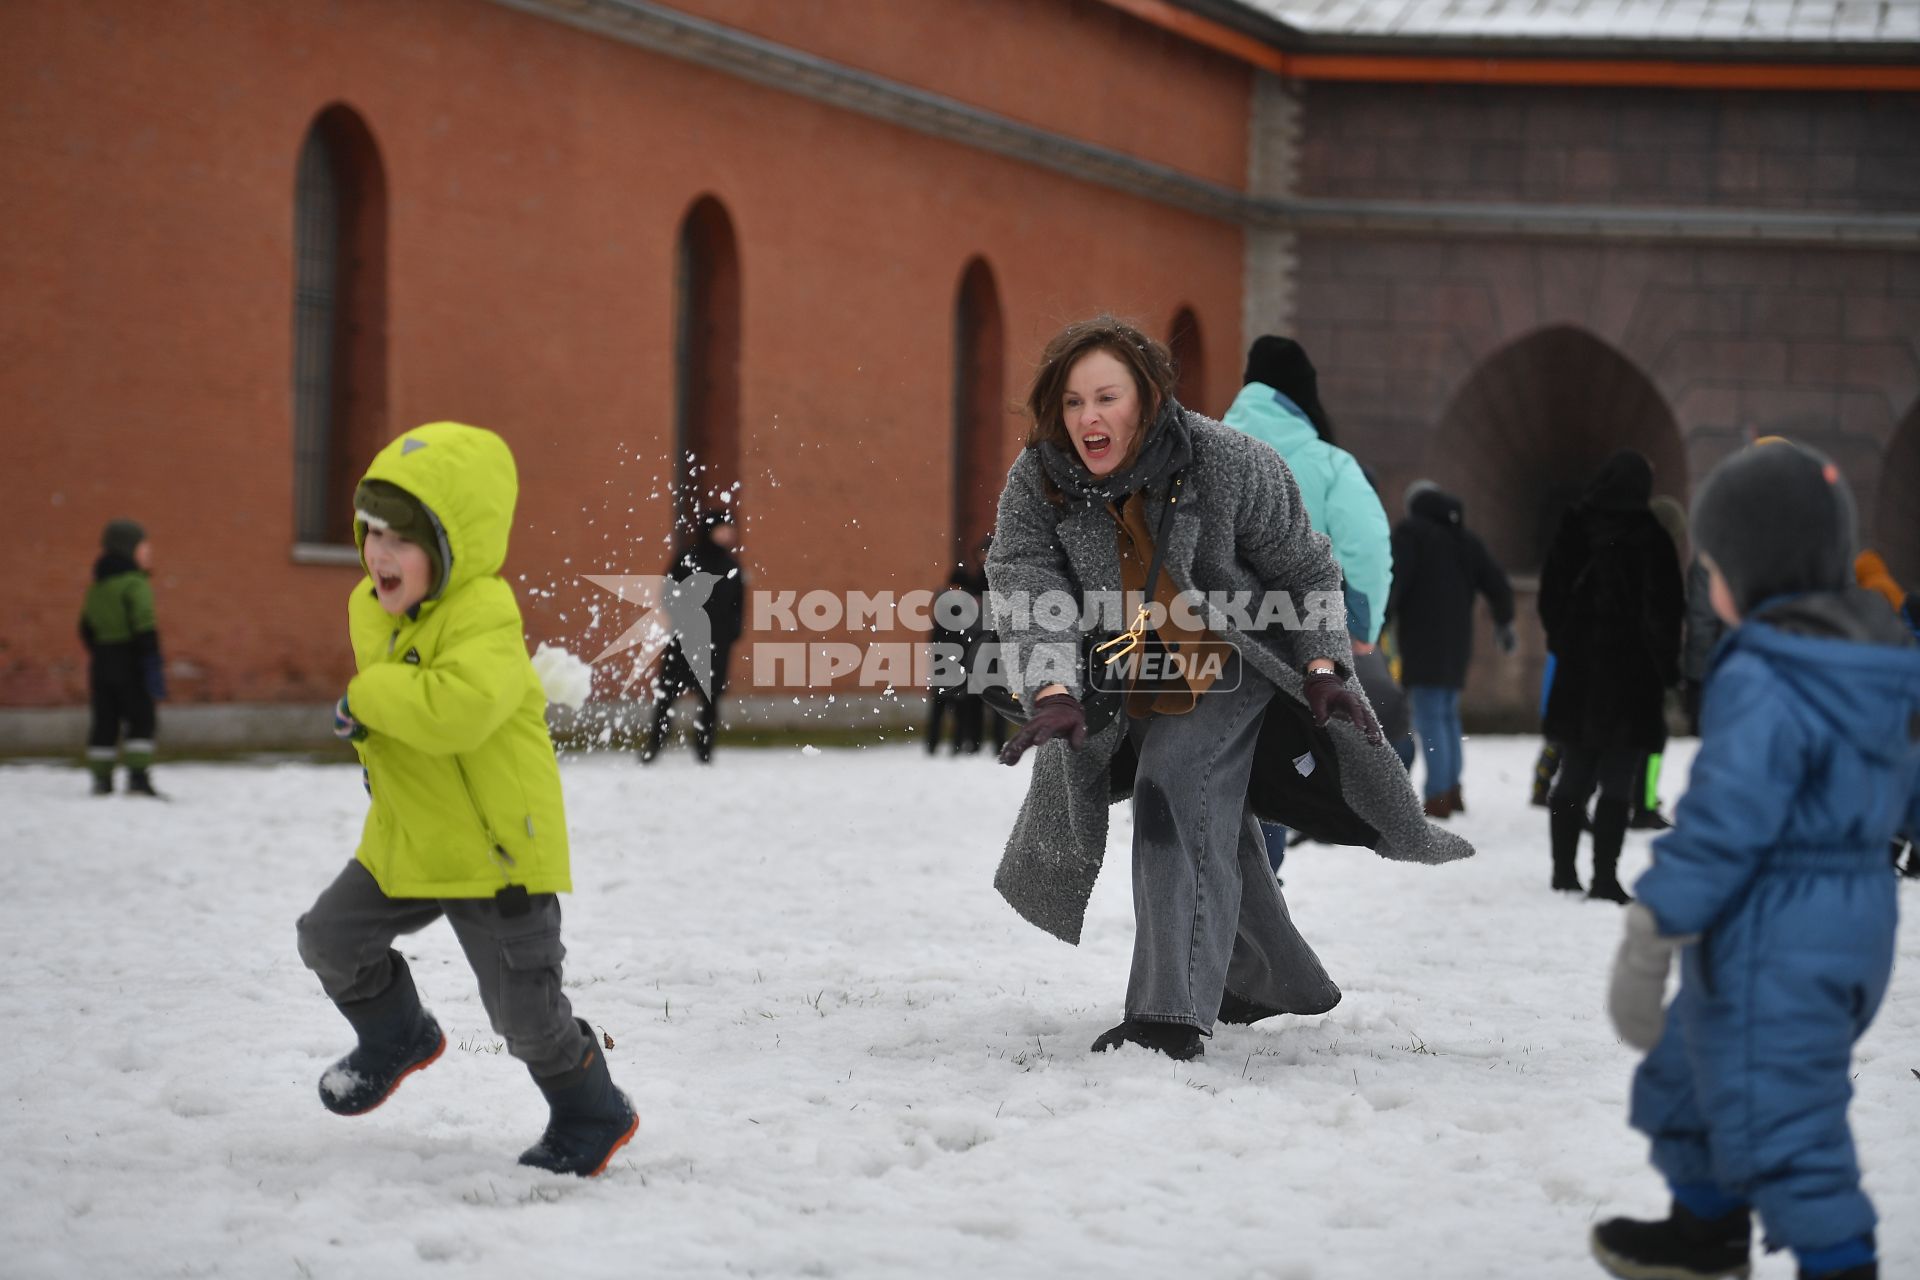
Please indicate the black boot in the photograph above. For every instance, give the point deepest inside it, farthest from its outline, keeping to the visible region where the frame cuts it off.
(139, 783)
(589, 1120)
(1175, 1039)
(1647, 820)
(103, 784)
(1236, 1012)
(1609, 833)
(1865, 1271)
(1564, 824)
(397, 1038)
(1683, 1247)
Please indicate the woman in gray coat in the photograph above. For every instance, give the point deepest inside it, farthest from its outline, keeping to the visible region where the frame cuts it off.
(1122, 493)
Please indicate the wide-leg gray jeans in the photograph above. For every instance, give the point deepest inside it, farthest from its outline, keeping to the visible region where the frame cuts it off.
(1208, 914)
(347, 933)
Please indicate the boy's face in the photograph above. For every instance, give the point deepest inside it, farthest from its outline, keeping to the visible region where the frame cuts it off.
(1719, 594)
(402, 573)
(143, 556)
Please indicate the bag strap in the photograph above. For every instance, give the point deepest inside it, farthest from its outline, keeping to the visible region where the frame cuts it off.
(1160, 534)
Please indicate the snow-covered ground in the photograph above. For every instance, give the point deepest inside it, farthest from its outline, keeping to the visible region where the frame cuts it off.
(851, 1059)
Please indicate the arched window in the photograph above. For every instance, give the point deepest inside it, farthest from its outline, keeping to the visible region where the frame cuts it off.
(978, 412)
(339, 322)
(1524, 437)
(1189, 359)
(706, 362)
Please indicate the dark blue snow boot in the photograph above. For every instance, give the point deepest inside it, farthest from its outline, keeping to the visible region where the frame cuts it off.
(397, 1038)
(590, 1118)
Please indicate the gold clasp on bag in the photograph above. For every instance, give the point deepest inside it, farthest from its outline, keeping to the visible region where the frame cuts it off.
(1129, 641)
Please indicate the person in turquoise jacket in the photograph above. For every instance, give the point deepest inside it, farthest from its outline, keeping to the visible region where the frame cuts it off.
(1280, 407)
(1774, 889)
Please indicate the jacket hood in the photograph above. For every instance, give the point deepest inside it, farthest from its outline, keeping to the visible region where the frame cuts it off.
(1271, 417)
(1850, 659)
(1438, 506)
(466, 479)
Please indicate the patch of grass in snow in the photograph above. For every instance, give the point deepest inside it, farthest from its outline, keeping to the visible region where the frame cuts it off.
(474, 1045)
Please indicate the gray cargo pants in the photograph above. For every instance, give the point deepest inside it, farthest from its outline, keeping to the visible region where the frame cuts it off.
(345, 936)
(1208, 914)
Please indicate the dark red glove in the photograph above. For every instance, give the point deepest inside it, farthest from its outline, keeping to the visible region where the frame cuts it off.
(1327, 693)
(1058, 715)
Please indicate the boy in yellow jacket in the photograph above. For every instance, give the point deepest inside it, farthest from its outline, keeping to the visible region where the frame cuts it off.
(466, 820)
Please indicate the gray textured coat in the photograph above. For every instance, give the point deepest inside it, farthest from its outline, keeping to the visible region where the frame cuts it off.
(1239, 526)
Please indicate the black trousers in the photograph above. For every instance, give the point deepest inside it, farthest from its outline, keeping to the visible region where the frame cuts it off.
(1615, 772)
(120, 699)
(676, 678)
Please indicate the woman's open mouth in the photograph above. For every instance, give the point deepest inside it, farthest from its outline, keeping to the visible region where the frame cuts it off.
(1097, 444)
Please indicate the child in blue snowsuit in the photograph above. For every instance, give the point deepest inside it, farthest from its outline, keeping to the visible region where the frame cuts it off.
(1774, 888)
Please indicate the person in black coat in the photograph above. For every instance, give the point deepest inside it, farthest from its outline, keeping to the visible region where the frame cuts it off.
(1439, 566)
(956, 630)
(711, 556)
(1612, 602)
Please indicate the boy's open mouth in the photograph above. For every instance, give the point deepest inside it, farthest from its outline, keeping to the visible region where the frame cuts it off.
(388, 582)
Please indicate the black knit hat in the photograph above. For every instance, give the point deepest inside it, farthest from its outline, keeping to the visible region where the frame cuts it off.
(121, 537)
(378, 502)
(1623, 483)
(1282, 364)
(1776, 519)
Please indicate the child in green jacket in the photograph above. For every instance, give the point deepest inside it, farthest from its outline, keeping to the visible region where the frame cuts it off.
(466, 820)
(124, 674)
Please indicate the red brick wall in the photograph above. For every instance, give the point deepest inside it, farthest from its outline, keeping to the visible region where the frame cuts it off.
(537, 175)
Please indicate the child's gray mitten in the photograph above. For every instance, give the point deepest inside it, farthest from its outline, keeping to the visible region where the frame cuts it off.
(1636, 998)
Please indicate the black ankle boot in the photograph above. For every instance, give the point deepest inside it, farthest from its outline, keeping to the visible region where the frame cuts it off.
(1865, 1271)
(397, 1038)
(589, 1119)
(1609, 833)
(1564, 824)
(1236, 1012)
(1683, 1247)
(140, 783)
(1175, 1039)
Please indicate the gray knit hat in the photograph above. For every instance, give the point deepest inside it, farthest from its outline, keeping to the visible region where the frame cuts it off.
(1777, 519)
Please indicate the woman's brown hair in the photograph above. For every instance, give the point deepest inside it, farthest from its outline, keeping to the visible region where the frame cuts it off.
(1150, 363)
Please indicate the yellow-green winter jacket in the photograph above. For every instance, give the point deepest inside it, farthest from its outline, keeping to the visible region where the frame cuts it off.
(466, 790)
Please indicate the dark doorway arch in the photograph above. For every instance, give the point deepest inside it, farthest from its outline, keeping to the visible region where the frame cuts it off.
(979, 346)
(1189, 359)
(1524, 436)
(339, 321)
(1896, 506)
(706, 420)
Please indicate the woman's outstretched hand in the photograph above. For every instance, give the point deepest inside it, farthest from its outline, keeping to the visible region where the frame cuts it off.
(1327, 693)
(1058, 715)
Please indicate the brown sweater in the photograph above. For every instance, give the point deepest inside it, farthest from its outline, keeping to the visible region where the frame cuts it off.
(1171, 697)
